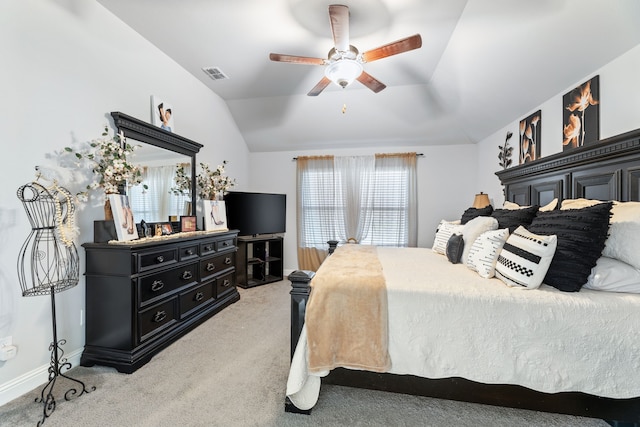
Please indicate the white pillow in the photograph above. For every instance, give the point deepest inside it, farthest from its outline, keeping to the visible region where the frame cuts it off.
(475, 228)
(546, 208)
(614, 276)
(525, 258)
(624, 233)
(443, 233)
(485, 250)
(623, 242)
(578, 203)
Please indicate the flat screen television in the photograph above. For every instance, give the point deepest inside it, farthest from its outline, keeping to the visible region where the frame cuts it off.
(256, 213)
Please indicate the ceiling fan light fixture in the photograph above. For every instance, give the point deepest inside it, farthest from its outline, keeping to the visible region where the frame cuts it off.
(343, 72)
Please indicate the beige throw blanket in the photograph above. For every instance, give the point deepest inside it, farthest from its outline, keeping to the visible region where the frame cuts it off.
(346, 317)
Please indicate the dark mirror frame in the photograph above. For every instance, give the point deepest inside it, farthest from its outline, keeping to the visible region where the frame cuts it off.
(138, 130)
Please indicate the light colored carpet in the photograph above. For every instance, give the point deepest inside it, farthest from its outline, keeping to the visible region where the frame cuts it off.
(232, 371)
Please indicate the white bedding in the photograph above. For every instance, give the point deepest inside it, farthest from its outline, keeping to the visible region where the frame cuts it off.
(447, 321)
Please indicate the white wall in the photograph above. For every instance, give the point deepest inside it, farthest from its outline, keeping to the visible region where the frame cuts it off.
(65, 66)
(445, 185)
(619, 113)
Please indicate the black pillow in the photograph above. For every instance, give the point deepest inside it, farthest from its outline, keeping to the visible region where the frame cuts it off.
(454, 249)
(581, 237)
(471, 213)
(513, 218)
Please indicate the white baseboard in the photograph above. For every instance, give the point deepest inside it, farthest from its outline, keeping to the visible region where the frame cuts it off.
(32, 379)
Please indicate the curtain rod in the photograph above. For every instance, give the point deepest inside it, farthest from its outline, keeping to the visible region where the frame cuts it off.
(417, 155)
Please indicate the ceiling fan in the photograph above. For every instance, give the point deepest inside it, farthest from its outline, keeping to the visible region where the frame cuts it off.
(345, 63)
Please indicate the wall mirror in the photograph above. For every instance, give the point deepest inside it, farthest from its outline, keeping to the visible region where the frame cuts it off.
(160, 153)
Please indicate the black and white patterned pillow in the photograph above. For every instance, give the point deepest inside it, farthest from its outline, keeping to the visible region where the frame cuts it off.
(525, 259)
(582, 234)
(484, 252)
(443, 233)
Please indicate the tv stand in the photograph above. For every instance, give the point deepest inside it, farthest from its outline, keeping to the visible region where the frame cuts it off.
(259, 260)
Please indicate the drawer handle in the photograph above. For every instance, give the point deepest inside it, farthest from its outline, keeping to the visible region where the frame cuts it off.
(186, 275)
(157, 285)
(227, 260)
(159, 316)
(225, 243)
(226, 283)
(189, 251)
(199, 296)
(207, 248)
(211, 266)
(160, 259)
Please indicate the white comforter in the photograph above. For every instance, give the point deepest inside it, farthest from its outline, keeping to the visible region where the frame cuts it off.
(447, 321)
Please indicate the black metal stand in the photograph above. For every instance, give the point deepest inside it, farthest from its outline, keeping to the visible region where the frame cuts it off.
(58, 363)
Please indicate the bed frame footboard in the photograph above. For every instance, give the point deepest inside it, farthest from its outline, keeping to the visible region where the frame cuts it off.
(300, 290)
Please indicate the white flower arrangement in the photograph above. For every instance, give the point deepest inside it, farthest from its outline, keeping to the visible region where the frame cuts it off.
(111, 169)
(211, 184)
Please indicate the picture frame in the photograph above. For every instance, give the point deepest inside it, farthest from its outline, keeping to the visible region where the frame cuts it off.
(162, 113)
(581, 115)
(215, 215)
(530, 137)
(166, 228)
(123, 217)
(188, 223)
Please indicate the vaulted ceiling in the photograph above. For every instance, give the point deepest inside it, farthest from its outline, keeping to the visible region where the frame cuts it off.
(483, 63)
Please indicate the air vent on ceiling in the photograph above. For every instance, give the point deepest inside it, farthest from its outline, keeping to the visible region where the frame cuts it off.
(215, 73)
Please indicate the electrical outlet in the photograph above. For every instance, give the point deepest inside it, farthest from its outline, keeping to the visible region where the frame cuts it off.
(6, 341)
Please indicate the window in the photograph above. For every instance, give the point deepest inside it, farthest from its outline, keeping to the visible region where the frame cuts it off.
(370, 199)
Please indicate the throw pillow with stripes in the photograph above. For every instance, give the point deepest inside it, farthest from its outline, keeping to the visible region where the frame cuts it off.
(443, 233)
(525, 258)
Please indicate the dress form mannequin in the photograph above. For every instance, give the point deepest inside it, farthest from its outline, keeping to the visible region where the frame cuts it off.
(47, 264)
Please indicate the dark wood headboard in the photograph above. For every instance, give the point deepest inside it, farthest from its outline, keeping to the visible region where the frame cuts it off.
(607, 170)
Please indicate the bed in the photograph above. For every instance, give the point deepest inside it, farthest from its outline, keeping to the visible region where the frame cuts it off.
(547, 349)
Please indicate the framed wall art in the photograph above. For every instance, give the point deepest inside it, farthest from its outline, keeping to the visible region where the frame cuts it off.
(581, 115)
(530, 137)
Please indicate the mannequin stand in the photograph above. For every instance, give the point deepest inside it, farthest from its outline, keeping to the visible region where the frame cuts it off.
(58, 363)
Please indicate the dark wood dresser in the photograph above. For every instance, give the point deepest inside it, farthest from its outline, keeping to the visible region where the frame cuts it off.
(141, 297)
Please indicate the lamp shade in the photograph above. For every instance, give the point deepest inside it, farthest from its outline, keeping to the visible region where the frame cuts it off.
(481, 200)
(343, 72)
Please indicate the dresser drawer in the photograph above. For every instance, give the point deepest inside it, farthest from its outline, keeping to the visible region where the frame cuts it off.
(225, 283)
(156, 319)
(186, 253)
(223, 245)
(155, 286)
(191, 300)
(207, 248)
(156, 259)
(216, 264)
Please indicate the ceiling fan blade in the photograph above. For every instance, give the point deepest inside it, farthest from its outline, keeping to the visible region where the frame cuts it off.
(371, 82)
(339, 17)
(394, 48)
(323, 83)
(296, 59)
